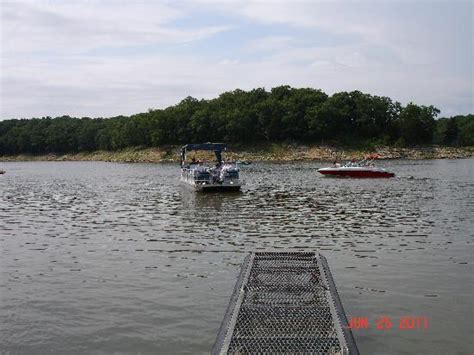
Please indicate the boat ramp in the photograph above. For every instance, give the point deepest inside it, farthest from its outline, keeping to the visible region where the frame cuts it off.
(285, 303)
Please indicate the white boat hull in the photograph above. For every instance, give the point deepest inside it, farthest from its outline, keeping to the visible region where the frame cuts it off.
(205, 186)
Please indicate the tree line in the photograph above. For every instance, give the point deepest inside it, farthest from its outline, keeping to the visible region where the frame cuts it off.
(283, 114)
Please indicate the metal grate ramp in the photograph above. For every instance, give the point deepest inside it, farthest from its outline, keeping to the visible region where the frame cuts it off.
(285, 303)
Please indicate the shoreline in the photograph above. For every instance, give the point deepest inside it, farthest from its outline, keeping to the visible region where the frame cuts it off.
(272, 153)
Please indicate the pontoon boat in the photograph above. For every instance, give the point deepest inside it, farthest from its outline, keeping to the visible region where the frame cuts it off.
(221, 176)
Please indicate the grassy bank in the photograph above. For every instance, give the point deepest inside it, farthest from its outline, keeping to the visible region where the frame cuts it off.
(271, 152)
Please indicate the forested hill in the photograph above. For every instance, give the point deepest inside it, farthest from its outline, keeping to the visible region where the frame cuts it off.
(246, 117)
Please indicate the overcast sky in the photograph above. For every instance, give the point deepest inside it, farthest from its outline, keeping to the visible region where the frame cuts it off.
(105, 58)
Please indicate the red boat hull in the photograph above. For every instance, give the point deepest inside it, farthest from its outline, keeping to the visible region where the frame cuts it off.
(358, 173)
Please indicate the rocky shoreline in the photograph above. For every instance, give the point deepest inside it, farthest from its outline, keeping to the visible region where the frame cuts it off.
(275, 153)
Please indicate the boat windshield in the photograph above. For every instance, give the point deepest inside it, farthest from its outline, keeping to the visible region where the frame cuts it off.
(361, 163)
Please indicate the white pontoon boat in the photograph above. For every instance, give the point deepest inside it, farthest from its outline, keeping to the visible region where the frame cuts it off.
(221, 176)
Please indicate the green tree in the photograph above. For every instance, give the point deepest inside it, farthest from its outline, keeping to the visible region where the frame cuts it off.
(281, 114)
(451, 133)
(334, 120)
(417, 124)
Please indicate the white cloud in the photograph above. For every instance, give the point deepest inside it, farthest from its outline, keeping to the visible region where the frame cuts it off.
(271, 43)
(74, 27)
(78, 58)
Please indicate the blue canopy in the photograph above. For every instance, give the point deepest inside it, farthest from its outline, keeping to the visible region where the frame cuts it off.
(217, 148)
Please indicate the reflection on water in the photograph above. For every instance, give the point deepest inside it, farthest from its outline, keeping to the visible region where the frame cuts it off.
(104, 257)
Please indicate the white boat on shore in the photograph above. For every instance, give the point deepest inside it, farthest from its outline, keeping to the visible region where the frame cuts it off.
(206, 177)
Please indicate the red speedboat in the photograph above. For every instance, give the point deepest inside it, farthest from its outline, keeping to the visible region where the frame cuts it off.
(363, 169)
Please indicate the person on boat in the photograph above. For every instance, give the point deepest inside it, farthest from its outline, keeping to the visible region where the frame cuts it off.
(193, 163)
(215, 172)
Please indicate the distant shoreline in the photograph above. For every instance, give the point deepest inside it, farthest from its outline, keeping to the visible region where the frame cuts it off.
(274, 153)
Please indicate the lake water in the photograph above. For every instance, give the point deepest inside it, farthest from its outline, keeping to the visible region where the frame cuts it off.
(103, 258)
